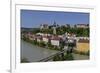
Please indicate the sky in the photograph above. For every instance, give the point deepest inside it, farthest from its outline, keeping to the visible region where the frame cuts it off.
(33, 18)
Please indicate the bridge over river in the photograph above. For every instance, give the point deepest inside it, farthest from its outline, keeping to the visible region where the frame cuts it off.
(52, 56)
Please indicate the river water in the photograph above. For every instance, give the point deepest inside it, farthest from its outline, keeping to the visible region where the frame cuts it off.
(34, 53)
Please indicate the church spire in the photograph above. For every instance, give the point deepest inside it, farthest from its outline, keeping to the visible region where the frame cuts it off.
(54, 23)
(54, 28)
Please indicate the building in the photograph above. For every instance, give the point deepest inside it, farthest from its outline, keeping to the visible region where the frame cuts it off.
(38, 38)
(83, 38)
(67, 25)
(41, 34)
(54, 28)
(72, 26)
(83, 45)
(55, 40)
(30, 36)
(82, 25)
(46, 39)
(44, 26)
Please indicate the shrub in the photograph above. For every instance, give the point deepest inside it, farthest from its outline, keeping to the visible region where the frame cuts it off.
(42, 44)
(69, 57)
(82, 53)
(57, 58)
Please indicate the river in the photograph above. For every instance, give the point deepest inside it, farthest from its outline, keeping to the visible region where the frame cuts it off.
(34, 53)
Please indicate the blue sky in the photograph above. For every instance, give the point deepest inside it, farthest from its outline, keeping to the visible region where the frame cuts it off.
(33, 18)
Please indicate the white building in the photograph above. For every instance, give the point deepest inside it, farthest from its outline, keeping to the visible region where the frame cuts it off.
(38, 38)
(40, 34)
(44, 26)
(45, 39)
(82, 25)
(55, 41)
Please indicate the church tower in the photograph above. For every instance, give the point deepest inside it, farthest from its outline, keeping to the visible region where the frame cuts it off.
(54, 28)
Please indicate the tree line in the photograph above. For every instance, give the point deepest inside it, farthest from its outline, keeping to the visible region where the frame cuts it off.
(62, 30)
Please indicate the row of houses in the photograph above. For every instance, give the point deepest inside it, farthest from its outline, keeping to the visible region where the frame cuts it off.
(55, 40)
(82, 43)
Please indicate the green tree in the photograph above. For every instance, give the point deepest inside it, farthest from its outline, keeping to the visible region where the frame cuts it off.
(68, 56)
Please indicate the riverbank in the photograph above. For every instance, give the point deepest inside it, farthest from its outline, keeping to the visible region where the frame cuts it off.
(33, 53)
(41, 44)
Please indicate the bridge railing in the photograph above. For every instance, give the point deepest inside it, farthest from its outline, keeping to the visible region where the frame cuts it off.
(50, 57)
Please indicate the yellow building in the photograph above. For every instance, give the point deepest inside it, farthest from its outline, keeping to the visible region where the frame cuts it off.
(83, 46)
